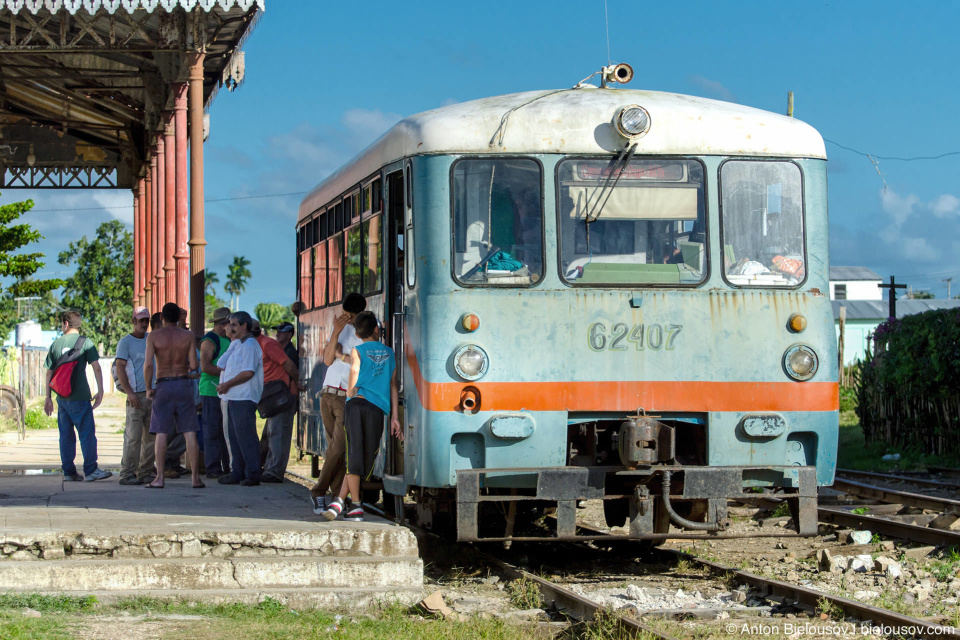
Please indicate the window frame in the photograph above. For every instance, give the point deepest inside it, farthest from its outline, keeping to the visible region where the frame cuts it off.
(453, 222)
(708, 263)
(364, 242)
(803, 219)
(409, 228)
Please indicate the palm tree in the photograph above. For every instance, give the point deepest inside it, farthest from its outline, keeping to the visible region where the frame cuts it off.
(237, 276)
(209, 279)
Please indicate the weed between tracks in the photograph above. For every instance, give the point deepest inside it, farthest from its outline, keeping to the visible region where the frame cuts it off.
(524, 593)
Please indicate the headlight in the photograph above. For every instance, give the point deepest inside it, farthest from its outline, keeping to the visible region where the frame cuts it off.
(470, 361)
(800, 362)
(633, 121)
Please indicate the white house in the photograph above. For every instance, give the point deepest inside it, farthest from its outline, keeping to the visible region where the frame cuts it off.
(854, 283)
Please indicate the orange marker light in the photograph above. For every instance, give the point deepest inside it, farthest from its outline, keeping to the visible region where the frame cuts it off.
(797, 323)
(470, 322)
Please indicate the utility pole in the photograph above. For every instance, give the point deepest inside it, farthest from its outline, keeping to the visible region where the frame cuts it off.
(948, 280)
(893, 294)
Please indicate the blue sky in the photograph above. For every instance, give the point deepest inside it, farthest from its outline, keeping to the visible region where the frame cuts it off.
(325, 79)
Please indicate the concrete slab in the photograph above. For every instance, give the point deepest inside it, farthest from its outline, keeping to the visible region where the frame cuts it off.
(101, 538)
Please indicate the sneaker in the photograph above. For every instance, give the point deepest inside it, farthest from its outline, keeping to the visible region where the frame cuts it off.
(171, 474)
(354, 515)
(99, 474)
(131, 481)
(319, 504)
(227, 479)
(249, 483)
(334, 510)
(74, 478)
(272, 479)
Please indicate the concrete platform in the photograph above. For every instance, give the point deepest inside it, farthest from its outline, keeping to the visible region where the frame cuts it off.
(222, 543)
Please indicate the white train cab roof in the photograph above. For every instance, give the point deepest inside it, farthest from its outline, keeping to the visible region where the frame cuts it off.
(577, 121)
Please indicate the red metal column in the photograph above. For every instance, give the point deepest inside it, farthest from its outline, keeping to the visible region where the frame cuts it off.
(151, 232)
(154, 293)
(181, 255)
(197, 241)
(161, 183)
(169, 191)
(137, 227)
(142, 237)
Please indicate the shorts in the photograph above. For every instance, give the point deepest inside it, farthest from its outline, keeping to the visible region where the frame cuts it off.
(363, 425)
(173, 408)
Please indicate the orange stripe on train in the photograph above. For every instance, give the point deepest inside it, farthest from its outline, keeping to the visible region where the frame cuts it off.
(627, 396)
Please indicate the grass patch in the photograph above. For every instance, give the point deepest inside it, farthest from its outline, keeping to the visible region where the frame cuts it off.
(36, 419)
(48, 604)
(946, 567)
(524, 593)
(853, 452)
(268, 619)
(827, 607)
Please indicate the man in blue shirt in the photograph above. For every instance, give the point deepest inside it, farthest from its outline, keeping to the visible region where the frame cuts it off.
(371, 395)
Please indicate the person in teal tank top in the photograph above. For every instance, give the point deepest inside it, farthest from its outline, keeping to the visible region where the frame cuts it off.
(371, 396)
(216, 455)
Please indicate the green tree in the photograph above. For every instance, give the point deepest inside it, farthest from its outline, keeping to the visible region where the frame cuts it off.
(271, 314)
(211, 304)
(237, 277)
(210, 278)
(19, 266)
(920, 295)
(101, 288)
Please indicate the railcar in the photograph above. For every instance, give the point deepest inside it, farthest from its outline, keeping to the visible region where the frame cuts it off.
(593, 293)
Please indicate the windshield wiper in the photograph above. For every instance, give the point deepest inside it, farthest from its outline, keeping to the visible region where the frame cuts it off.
(619, 166)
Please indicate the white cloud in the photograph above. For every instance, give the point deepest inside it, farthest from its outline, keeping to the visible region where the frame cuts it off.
(945, 205)
(713, 88)
(898, 207)
(368, 124)
(918, 249)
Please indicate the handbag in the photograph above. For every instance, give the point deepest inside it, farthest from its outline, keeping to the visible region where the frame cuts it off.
(64, 368)
(275, 399)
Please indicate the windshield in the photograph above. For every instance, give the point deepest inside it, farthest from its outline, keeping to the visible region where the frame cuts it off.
(644, 226)
(762, 212)
(497, 221)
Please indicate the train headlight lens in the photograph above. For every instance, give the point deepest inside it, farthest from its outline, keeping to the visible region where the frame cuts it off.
(800, 362)
(470, 361)
(633, 121)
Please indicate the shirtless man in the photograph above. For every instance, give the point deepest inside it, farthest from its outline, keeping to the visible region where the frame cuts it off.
(173, 405)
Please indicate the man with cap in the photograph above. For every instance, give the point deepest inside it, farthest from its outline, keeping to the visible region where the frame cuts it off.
(136, 465)
(285, 338)
(216, 452)
(279, 371)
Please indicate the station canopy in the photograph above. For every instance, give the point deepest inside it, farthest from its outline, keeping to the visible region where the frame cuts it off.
(84, 83)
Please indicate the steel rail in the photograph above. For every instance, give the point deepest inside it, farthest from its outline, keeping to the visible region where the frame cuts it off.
(813, 598)
(887, 527)
(945, 471)
(895, 478)
(944, 505)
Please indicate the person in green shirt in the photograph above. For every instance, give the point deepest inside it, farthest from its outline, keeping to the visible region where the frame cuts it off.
(216, 454)
(74, 411)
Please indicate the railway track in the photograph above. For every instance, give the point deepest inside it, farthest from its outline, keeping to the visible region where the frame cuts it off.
(923, 482)
(581, 608)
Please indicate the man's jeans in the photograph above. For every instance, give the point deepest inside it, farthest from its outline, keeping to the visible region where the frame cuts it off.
(216, 456)
(334, 467)
(138, 442)
(242, 416)
(79, 414)
(278, 432)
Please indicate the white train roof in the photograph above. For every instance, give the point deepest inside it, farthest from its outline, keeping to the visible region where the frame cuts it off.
(577, 121)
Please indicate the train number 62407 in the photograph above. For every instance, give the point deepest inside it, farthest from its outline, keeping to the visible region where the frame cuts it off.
(620, 336)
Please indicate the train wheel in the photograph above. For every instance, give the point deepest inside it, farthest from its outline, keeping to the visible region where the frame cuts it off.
(616, 512)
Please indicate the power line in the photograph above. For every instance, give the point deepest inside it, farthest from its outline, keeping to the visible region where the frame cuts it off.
(873, 156)
(128, 206)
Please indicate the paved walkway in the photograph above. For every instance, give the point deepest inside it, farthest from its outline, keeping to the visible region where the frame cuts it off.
(40, 504)
(41, 449)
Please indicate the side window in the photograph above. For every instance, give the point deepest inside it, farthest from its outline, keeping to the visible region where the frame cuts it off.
(410, 253)
(320, 275)
(353, 277)
(306, 278)
(762, 223)
(372, 256)
(335, 268)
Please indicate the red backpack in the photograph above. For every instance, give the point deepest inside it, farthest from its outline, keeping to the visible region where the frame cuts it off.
(64, 368)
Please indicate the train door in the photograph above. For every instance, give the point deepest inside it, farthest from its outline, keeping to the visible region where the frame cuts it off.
(394, 198)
